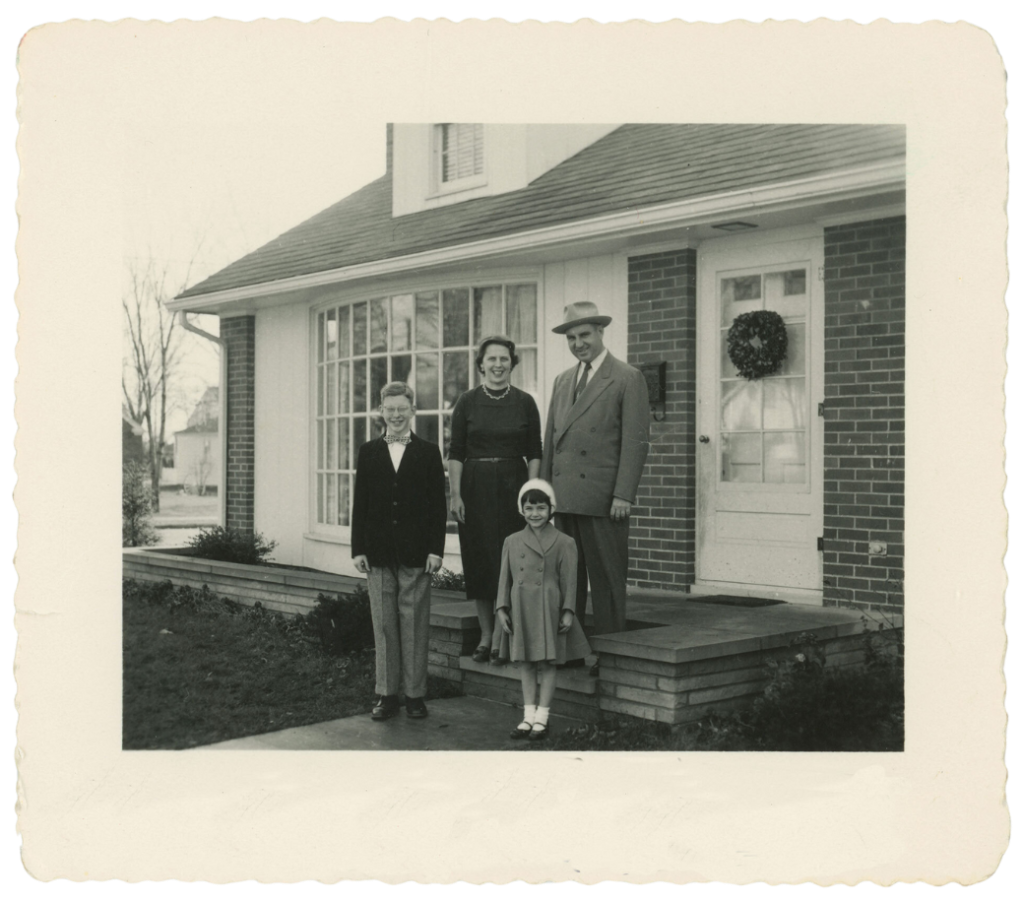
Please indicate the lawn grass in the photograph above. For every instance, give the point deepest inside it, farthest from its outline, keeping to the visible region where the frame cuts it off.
(198, 670)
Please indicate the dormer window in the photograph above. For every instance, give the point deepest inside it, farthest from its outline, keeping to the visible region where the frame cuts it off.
(458, 155)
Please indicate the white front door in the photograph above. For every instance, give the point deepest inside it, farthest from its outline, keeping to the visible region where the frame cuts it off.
(760, 458)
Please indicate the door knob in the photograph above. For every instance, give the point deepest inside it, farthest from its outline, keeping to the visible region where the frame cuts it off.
(704, 439)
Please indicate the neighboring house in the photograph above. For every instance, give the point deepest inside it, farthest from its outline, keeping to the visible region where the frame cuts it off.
(132, 447)
(207, 410)
(789, 486)
(197, 457)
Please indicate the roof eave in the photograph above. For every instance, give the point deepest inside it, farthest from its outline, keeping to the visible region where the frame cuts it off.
(889, 175)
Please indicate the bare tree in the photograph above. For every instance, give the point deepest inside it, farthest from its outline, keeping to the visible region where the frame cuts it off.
(153, 344)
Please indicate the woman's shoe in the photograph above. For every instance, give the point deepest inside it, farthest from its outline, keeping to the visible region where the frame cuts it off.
(481, 654)
(495, 657)
(522, 731)
(538, 732)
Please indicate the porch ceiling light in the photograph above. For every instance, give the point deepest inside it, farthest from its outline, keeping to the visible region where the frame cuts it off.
(734, 226)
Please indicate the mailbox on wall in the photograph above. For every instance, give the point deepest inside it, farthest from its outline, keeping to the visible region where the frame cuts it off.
(656, 386)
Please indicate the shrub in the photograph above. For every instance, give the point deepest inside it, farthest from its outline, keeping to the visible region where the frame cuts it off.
(342, 622)
(219, 544)
(136, 507)
(447, 579)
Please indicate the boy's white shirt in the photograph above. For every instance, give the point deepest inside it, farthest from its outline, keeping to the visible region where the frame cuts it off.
(397, 451)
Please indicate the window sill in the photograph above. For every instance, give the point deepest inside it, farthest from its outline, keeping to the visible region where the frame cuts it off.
(450, 188)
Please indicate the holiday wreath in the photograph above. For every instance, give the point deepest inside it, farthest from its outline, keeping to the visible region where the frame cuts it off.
(757, 343)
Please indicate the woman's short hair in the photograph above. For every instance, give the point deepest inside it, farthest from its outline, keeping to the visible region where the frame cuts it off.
(396, 390)
(502, 340)
(536, 496)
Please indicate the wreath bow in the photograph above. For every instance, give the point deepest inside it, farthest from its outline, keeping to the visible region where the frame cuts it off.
(757, 343)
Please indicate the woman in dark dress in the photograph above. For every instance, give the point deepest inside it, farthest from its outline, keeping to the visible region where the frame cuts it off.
(495, 448)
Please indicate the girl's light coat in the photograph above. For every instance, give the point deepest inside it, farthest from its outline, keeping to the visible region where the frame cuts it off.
(537, 583)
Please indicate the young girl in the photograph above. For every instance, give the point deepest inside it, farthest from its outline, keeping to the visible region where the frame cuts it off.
(536, 604)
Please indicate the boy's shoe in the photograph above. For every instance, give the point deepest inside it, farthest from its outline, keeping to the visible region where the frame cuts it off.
(386, 706)
(415, 707)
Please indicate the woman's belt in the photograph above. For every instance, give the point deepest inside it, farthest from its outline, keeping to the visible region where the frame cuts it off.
(492, 460)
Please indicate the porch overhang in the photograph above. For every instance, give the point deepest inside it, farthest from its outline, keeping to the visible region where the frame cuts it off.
(580, 238)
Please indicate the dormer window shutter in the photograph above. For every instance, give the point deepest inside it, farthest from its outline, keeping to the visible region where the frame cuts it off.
(461, 151)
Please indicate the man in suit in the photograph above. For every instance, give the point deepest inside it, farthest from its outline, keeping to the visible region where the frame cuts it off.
(399, 515)
(596, 443)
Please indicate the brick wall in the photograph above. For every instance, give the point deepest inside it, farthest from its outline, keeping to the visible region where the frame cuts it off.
(864, 429)
(239, 333)
(662, 326)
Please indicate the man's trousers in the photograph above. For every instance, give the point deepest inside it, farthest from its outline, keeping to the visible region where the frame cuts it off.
(603, 547)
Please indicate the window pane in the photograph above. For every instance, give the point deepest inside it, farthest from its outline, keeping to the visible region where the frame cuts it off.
(358, 329)
(446, 447)
(344, 459)
(795, 356)
(426, 381)
(426, 427)
(456, 318)
(344, 401)
(486, 311)
(784, 457)
(319, 444)
(784, 403)
(331, 498)
(319, 391)
(331, 334)
(358, 433)
(331, 389)
(319, 338)
(456, 376)
(524, 375)
(740, 458)
(739, 295)
(319, 497)
(401, 367)
(331, 445)
(378, 325)
(522, 313)
(377, 427)
(342, 499)
(785, 293)
(344, 332)
(728, 369)
(401, 323)
(359, 385)
(426, 320)
(740, 405)
(378, 379)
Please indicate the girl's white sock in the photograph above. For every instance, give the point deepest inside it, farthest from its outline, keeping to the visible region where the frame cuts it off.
(528, 715)
(542, 715)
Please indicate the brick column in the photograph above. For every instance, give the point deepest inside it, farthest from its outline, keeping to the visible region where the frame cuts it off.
(662, 326)
(864, 429)
(239, 334)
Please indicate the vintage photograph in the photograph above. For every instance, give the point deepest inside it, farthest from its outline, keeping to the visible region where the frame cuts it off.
(542, 437)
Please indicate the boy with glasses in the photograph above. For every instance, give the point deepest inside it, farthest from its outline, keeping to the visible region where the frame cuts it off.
(399, 515)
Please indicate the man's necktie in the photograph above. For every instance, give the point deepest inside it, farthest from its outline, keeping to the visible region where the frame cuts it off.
(400, 439)
(581, 384)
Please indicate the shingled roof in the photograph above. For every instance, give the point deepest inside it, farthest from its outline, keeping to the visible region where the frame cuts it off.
(634, 166)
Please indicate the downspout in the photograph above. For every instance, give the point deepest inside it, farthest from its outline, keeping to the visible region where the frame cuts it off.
(221, 411)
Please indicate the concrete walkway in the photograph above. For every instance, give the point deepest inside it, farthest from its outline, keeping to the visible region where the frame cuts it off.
(454, 724)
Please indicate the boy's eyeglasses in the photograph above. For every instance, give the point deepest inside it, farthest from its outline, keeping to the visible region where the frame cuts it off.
(390, 410)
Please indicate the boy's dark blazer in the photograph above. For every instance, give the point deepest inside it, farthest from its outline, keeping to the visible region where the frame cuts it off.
(399, 518)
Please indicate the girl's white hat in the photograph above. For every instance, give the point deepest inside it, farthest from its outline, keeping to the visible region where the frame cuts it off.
(544, 486)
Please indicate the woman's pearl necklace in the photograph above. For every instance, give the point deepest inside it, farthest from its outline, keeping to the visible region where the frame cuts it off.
(492, 397)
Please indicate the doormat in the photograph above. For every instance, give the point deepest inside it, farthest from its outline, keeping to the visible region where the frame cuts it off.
(738, 601)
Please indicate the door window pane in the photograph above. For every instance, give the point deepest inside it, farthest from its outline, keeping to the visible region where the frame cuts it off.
(740, 405)
(795, 356)
(785, 403)
(785, 457)
(740, 294)
(740, 457)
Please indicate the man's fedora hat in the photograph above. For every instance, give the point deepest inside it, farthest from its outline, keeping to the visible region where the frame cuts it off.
(579, 313)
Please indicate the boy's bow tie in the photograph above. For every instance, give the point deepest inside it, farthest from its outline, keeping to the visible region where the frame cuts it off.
(401, 439)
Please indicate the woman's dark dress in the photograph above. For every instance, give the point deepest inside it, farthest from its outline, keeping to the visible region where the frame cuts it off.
(484, 428)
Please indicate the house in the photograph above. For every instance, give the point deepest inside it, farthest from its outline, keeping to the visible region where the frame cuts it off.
(789, 486)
